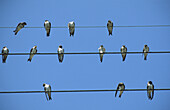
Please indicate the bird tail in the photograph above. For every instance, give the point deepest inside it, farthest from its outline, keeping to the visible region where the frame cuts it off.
(149, 96)
(50, 98)
(60, 60)
(29, 60)
(101, 59)
(48, 34)
(110, 33)
(15, 32)
(145, 58)
(123, 58)
(121, 92)
(4, 60)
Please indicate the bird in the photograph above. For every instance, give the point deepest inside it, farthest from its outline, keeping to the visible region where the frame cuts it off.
(101, 51)
(145, 50)
(121, 88)
(123, 52)
(71, 27)
(47, 26)
(5, 52)
(60, 53)
(19, 27)
(47, 89)
(150, 88)
(110, 26)
(32, 53)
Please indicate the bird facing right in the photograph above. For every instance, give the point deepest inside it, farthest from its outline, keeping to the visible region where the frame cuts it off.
(32, 53)
(121, 88)
(19, 27)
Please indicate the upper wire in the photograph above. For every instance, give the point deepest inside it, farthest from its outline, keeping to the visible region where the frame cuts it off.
(153, 52)
(96, 26)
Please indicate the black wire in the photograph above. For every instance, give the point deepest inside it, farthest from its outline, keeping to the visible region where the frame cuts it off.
(86, 53)
(99, 26)
(71, 91)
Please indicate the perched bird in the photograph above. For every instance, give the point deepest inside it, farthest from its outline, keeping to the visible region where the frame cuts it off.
(101, 51)
(110, 27)
(60, 53)
(32, 53)
(47, 26)
(19, 27)
(123, 52)
(150, 88)
(121, 88)
(5, 52)
(145, 50)
(47, 89)
(71, 27)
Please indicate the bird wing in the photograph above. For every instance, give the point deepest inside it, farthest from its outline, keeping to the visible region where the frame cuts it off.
(147, 91)
(104, 49)
(50, 24)
(153, 92)
(18, 24)
(8, 50)
(50, 87)
(36, 50)
(116, 90)
(31, 50)
(2, 50)
(112, 24)
(74, 24)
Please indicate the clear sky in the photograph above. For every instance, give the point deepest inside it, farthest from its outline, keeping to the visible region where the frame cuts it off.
(85, 71)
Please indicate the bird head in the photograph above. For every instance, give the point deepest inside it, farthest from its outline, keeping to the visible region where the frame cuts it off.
(109, 21)
(35, 46)
(121, 83)
(24, 23)
(71, 22)
(43, 84)
(101, 45)
(4, 47)
(150, 82)
(145, 45)
(123, 45)
(60, 46)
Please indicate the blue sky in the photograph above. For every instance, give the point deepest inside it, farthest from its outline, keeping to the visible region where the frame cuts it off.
(85, 71)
